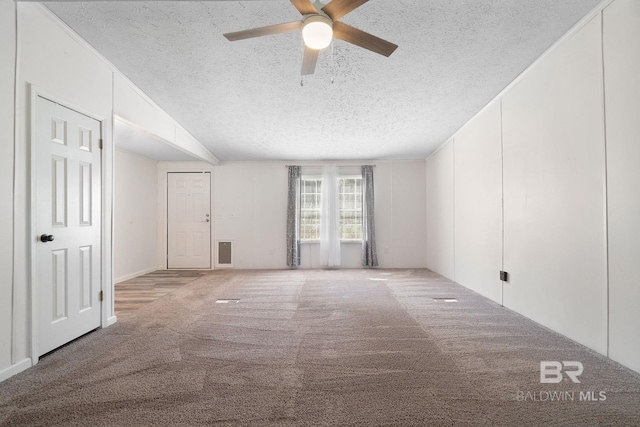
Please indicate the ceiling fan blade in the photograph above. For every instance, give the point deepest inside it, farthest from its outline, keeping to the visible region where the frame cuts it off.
(309, 61)
(336, 9)
(305, 7)
(264, 31)
(360, 38)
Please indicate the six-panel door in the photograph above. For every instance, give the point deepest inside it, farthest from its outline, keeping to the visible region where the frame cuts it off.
(67, 208)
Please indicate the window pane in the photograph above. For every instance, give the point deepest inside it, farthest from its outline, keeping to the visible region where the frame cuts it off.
(351, 187)
(310, 209)
(349, 202)
(350, 208)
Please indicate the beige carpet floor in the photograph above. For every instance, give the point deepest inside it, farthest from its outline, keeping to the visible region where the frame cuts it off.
(319, 348)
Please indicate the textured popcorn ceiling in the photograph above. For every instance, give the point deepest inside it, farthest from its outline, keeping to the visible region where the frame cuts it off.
(244, 100)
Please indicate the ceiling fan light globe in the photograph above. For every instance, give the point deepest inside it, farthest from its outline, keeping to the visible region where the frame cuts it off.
(317, 34)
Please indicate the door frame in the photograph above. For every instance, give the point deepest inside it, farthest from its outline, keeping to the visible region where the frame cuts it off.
(163, 221)
(107, 316)
(166, 216)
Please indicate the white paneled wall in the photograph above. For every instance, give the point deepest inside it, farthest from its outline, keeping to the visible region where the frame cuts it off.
(247, 221)
(408, 229)
(52, 61)
(571, 221)
(440, 212)
(135, 215)
(622, 84)
(268, 243)
(478, 204)
(250, 202)
(7, 63)
(554, 192)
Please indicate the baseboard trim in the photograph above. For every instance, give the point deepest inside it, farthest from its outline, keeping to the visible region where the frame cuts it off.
(15, 369)
(111, 320)
(136, 274)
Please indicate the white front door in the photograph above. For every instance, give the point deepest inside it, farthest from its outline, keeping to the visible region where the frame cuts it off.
(67, 209)
(189, 220)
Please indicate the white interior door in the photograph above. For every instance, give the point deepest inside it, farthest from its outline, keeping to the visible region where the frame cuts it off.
(68, 221)
(189, 220)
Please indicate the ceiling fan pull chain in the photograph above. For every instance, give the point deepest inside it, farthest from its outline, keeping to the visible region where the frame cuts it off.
(333, 63)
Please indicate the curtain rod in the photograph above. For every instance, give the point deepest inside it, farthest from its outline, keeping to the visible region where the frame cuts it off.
(340, 166)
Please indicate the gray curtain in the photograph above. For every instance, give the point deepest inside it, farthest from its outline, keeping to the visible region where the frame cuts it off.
(293, 218)
(369, 254)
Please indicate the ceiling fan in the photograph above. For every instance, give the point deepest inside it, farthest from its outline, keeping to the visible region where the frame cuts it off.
(319, 25)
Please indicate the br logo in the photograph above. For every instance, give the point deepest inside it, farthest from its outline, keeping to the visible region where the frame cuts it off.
(551, 371)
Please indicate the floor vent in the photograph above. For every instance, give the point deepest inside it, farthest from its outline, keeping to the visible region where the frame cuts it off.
(445, 299)
(224, 255)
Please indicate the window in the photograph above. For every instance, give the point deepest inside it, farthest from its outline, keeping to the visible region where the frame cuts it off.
(350, 202)
(350, 208)
(310, 208)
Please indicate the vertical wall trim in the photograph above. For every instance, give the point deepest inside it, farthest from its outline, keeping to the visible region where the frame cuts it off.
(606, 178)
(212, 224)
(502, 200)
(13, 185)
(166, 222)
(393, 247)
(453, 198)
(111, 166)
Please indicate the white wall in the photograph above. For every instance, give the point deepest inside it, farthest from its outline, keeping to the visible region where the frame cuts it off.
(622, 85)
(250, 204)
(571, 219)
(554, 192)
(407, 228)
(440, 212)
(7, 64)
(478, 204)
(53, 61)
(136, 210)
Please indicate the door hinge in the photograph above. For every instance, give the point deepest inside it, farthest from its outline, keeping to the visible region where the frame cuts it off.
(100, 143)
(101, 296)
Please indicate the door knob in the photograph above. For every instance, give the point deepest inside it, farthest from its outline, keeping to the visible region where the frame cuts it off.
(47, 238)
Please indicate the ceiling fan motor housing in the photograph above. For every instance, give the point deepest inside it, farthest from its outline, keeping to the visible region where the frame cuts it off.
(317, 31)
